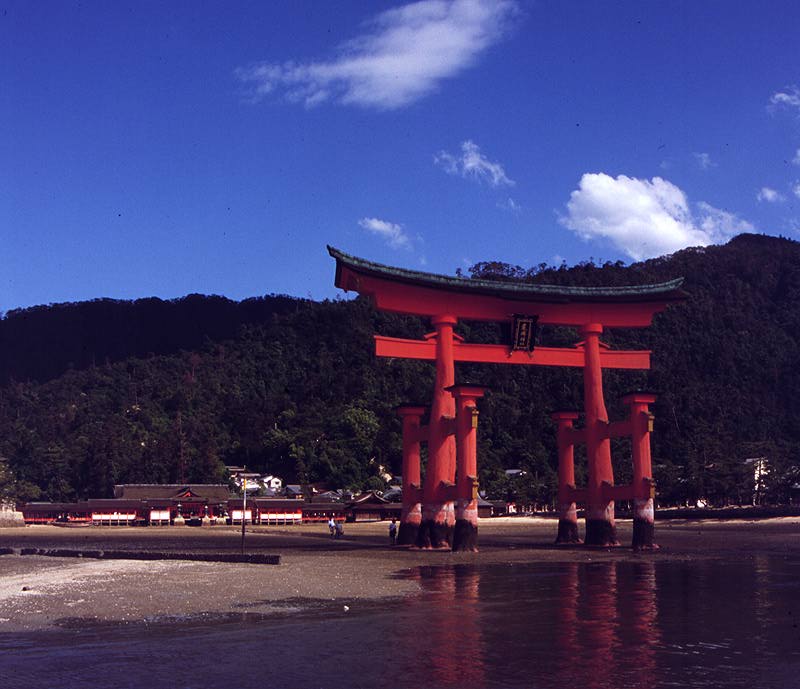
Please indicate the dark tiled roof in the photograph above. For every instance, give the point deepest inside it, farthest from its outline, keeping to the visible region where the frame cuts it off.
(114, 505)
(145, 491)
(370, 497)
(511, 290)
(53, 506)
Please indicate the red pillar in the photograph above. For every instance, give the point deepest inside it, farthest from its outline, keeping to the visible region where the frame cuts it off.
(643, 484)
(411, 515)
(600, 527)
(567, 511)
(438, 514)
(465, 536)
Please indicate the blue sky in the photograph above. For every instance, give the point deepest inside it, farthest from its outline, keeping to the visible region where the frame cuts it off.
(167, 148)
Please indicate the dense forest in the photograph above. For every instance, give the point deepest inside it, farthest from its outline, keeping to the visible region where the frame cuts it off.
(105, 392)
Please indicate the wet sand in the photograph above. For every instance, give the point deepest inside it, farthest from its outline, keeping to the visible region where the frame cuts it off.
(43, 592)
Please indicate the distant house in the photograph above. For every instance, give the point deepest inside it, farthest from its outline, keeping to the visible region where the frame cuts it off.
(271, 482)
(370, 506)
(490, 509)
(294, 491)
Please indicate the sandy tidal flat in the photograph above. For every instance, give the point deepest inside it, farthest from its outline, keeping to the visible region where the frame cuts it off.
(39, 592)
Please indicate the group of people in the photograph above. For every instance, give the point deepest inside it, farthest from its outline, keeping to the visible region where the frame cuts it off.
(337, 530)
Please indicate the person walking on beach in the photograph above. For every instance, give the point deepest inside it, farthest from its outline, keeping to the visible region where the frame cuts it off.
(339, 529)
(393, 532)
(332, 526)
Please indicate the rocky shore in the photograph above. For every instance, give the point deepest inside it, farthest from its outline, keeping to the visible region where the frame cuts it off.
(40, 592)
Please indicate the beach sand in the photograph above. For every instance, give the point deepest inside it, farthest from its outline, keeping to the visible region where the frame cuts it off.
(38, 592)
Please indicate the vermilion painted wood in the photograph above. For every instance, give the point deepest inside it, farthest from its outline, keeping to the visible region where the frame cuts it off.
(567, 509)
(411, 515)
(642, 485)
(438, 510)
(446, 300)
(465, 536)
(400, 297)
(600, 527)
(500, 354)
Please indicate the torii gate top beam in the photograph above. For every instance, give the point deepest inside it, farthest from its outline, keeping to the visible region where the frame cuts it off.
(428, 294)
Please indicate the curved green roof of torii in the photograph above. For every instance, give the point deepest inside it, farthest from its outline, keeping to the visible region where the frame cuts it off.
(662, 291)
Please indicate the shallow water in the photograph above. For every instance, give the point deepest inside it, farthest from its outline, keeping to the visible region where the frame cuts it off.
(707, 624)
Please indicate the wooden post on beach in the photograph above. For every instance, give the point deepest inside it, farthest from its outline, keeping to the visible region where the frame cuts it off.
(643, 485)
(600, 527)
(438, 510)
(567, 509)
(465, 535)
(413, 435)
(244, 508)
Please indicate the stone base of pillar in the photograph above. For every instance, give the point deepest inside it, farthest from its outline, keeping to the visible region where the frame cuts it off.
(436, 528)
(567, 532)
(601, 532)
(465, 536)
(568, 523)
(643, 535)
(410, 520)
(407, 534)
(435, 535)
(643, 524)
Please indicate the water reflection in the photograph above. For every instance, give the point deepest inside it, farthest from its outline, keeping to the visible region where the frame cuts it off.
(451, 646)
(641, 624)
(647, 624)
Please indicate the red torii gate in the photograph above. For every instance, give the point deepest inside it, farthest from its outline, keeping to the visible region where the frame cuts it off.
(429, 517)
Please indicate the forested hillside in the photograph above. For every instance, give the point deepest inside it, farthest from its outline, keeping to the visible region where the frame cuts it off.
(105, 392)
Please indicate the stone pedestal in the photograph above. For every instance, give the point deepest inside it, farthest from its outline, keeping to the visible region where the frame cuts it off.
(9, 516)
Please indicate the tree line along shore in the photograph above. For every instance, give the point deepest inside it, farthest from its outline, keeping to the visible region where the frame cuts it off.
(105, 392)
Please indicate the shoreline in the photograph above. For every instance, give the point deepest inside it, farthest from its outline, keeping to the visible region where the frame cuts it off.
(41, 593)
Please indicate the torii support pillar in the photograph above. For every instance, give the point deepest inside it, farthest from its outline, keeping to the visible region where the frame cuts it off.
(643, 484)
(600, 526)
(438, 511)
(465, 536)
(567, 510)
(411, 515)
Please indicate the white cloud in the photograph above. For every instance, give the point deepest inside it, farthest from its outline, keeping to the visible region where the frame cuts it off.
(796, 189)
(509, 205)
(704, 160)
(391, 232)
(472, 163)
(403, 55)
(796, 159)
(790, 97)
(645, 218)
(769, 195)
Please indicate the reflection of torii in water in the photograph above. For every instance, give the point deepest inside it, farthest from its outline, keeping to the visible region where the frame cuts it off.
(429, 511)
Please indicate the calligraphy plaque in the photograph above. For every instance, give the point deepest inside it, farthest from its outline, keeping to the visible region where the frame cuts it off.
(523, 333)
